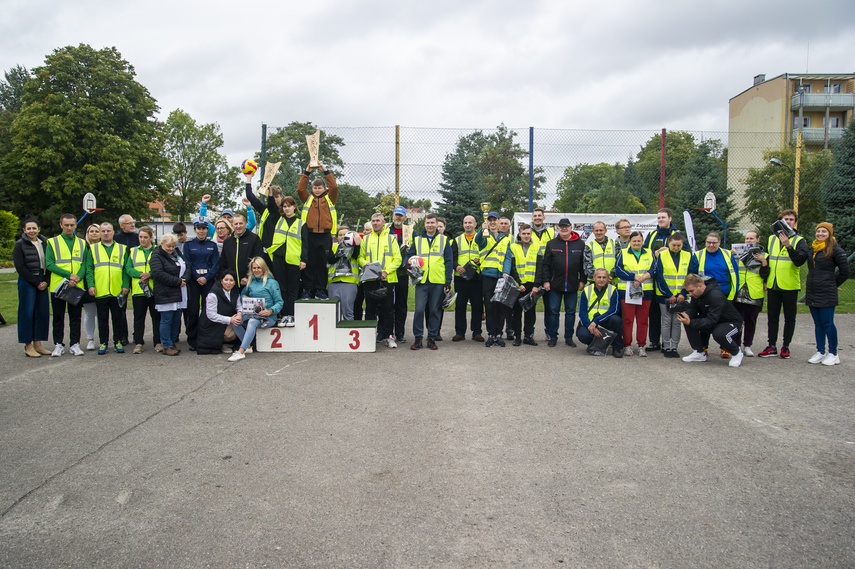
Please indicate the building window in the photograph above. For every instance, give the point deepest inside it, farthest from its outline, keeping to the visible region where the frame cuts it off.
(834, 122)
(833, 88)
(804, 88)
(805, 122)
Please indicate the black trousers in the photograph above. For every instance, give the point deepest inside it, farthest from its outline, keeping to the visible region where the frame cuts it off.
(775, 300)
(654, 322)
(382, 310)
(497, 313)
(530, 320)
(108, 310)
(288, 277)
(402, 291)
(358, 302)
(315, 274)
(196, 294)
(59, 307)
(141, 306)
(724, 334)
(468, 292)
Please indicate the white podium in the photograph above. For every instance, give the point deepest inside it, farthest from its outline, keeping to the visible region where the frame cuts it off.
(317, 328)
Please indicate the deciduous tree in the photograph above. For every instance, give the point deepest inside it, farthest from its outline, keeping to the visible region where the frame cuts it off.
(85, 125)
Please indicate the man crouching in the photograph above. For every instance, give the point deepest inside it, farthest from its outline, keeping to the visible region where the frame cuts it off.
(710, 313)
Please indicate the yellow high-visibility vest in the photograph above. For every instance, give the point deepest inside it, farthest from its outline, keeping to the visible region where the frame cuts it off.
(68, 260)
(781, 268)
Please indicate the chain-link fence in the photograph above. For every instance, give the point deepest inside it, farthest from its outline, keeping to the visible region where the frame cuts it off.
(593, 171)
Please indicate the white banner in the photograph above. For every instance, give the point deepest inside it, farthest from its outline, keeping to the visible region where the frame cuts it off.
(583, 223)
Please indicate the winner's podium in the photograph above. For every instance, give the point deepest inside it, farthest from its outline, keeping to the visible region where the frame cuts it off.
(317, 328)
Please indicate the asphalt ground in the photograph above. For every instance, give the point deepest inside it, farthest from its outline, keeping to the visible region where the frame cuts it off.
(463, 457)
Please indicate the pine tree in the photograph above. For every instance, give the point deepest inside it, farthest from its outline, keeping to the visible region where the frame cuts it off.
(461, 183)
(838, 190)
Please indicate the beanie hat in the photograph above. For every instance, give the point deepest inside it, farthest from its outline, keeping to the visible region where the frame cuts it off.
(827, 226)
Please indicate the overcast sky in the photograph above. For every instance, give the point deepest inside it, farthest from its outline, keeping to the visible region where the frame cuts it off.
(621, 64)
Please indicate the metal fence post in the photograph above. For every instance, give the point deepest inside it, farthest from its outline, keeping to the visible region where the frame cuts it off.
(263, 149)
(662, 173)
(530, 168)
(397, 164)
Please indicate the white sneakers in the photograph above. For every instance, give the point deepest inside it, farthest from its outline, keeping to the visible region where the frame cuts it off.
(747, 351)
(289, 321)
(697, 356)
(831, 359)
(91, 345)
(736, 360)
(817, 358)
(390, 342)
(282, 322)
(58, 350)
(75, 350)
(237, 356)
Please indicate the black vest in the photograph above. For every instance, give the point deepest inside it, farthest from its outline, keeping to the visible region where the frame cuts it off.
(209, 337)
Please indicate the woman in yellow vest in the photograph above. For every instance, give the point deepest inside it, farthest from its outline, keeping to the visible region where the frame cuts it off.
(138, 270)
(673, 266)
(749, 298)
(90, 311)
(634, 267)
(342, 283)
(288, 257)
(523, 264)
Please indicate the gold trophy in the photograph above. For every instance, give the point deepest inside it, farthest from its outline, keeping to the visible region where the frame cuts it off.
(269, 173)
(314, 143)
(485, 207)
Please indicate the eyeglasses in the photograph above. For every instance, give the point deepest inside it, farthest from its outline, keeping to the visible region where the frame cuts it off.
(712, 242)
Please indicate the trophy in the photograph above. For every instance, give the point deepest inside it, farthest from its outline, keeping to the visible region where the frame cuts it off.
(313, 141)
(485, 207)
(269, 173)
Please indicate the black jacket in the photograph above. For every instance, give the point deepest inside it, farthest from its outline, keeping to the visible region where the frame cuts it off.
(563, 266)
(822, 283)
(712, 309)
(209, 339)
(166, 274)
(236, 253)
(26, 259)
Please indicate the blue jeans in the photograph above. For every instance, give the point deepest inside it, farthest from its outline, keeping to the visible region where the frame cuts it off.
(823, 327)
(555, 299)
(33, 313)
(428, 297)
(252, 324)
(170, 324)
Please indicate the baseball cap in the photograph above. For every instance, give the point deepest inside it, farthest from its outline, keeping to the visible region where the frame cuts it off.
(229, 211)
(563, 221)
(492, 214)
(400, 210)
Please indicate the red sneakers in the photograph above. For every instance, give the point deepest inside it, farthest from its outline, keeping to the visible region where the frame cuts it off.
(769, 352)
(785, 353)
(725, 355)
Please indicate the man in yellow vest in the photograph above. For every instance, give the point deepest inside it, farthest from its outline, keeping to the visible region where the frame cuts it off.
(492, 260)
(344, 270)
(600, 253)
(466, 249)
(540, 236)
(107, 279)
(436, 260)
(379, 246)
(523, 263)
(64, 259)
(599, 305)
(786, 255)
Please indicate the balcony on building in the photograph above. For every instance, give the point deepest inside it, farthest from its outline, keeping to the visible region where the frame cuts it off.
(817, 135)
(817, 101)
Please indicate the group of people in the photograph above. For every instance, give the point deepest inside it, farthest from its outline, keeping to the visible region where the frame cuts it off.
(652, 285)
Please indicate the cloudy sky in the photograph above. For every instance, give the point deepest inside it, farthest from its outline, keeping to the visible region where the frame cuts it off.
(545, 63)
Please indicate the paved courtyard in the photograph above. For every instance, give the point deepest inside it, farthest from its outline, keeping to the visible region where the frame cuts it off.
(464, 457)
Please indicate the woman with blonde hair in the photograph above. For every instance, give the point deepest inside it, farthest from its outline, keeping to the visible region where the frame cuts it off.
(828, 268)
(90, 311)
(170, 272)
(261, 286)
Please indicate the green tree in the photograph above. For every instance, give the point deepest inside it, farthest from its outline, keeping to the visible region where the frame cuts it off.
(461, 189)
(195, 165)
(632, 182)
(837, 190)
(679, 148)
(354, 206)
(770, 189)
(576, 182)
(86, 125)
(288, 145)
(11, 94)
(706, 172)
(504, 179)
(611, 196)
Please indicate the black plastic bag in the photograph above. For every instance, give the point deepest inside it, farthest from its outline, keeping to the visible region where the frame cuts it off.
(527, 301)
(507, 291)
(598, 346)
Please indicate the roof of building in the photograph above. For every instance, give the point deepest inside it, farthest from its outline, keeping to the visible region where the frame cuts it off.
(804, 77)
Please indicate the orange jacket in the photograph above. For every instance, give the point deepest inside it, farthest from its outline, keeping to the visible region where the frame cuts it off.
(319, 219)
